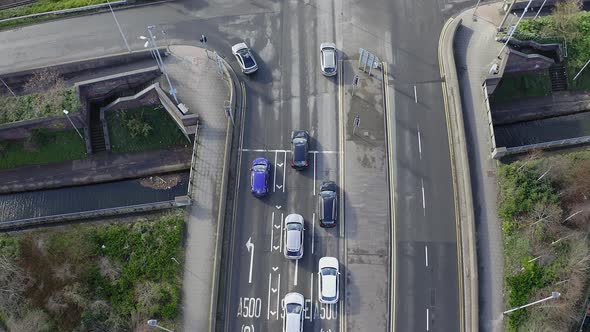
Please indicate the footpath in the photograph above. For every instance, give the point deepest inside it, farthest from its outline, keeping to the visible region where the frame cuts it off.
(467, 51)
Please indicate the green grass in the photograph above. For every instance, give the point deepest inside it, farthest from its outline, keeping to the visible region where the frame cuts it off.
(108, 277)
(163, 132)
(42, 148)
(34, 106)
(522, 86)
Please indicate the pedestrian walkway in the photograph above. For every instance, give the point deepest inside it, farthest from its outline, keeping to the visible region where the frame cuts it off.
(201, 88)
(475, 51)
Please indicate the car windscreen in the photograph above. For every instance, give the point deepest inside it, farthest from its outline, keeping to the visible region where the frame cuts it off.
(328, 194)
(293, 227)
(259, 168)
(293, 308)
(247, 57)
(328, 271)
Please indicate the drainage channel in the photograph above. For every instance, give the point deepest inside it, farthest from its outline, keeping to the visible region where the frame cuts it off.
(42, 203)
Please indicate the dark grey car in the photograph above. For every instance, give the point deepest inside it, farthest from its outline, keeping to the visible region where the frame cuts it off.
(328, 204)
(299, 149)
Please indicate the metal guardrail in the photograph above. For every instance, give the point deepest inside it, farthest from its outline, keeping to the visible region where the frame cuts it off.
(66, 11)
(489, 115)
(193, 157)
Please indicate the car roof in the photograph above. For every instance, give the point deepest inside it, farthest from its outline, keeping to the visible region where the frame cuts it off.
(300, 152)
(259, 180)
(328, 208)
(293, 322)
(329, 285)
(293, 240)
(329, 58)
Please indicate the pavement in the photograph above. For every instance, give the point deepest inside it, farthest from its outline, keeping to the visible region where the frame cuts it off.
(201, 88)
(474, 52)
(103, 167)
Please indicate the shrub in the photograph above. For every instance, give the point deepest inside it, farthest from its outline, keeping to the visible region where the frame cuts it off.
(521, 286)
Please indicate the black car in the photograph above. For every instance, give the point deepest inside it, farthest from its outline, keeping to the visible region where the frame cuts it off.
(299, 149)
(328, 204)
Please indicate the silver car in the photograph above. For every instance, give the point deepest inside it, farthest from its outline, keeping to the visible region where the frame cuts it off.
(328, 280)
(294, 230)
(293, 318)
(328, 58)
(245, 58)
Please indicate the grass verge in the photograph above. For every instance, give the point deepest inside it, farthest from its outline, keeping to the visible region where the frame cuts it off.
(37, 105)
(145, 128)
(546, 247)
(101, 277)
(522, 86)
(42, 147)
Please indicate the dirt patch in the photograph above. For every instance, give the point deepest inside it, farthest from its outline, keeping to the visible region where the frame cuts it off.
(161, 182)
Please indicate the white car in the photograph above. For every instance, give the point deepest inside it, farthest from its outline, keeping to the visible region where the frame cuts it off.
(245, 58)
(293, 318)
(328, 59)
(328, 280)
(294, 229)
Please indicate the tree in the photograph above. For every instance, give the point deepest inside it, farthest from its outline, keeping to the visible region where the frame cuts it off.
(563, 20)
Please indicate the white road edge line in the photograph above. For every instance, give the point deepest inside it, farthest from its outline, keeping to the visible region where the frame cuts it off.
(419, 144)
(426, 254)
(423, 198)
(272, 230)
(314, 170)
(274, 181)
(311, 301)
(296, 268)
(284, 172)
(281, 241)
(312, 232)
(427, 322)
(415, 95)
(278, 295)
(268, 307)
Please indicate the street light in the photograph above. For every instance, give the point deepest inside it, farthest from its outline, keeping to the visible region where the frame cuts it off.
(79, 134)
(154, 323)
(151, 41)
(554, 295)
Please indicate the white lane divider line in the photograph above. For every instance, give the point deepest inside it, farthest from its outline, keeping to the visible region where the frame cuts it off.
(274, 181)
(426, 254)
(284, 173)
(281, 240)
(427, 320)
(272, 229)
(268, 307)
(312, 232)
(423, 198)
(415, 95)
(296, 268)
(311, 300)
(419, 143)
(278, 296)
(314, 170)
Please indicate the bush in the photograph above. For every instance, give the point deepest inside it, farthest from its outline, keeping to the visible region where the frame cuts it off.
(521, 287)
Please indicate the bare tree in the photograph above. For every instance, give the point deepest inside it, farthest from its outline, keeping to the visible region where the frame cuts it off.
(564, 21)
(12, 284)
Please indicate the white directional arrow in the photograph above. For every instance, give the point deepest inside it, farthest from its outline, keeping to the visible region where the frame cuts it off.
(279, 186)
(250, 245)
(275, 247)
(278, 207)
(280, 164)
(272, 313)
(274, 290)
(275, 268)
(277, 226)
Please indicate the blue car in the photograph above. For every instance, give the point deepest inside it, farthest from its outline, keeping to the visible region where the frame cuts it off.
(260, 172)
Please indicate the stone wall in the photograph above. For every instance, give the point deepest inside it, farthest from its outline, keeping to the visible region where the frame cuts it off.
(22, 129)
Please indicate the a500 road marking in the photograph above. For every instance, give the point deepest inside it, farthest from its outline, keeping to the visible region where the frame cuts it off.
(250, 307)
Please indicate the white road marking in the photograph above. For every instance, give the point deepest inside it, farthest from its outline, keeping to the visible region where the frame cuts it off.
(427, 321)
(415, 95)
(286, 151)
(282, 225)
(274, 181)
(272, 229)
(250, 247)
(423, 198)
(426, 254)
(419, 144)
(278, 296)
(275, 268)
(296, 268)
(284, 173)
(268, 307)
(278, 207)
(279, 186)
(312, 232)
(314, 174)
(311, 298)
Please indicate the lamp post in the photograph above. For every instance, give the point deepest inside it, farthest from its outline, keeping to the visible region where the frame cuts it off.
(7, 87)
(515, 27)
(554, 295)
(154, 323)
(67, 116)
(119, 26)
(151, 42)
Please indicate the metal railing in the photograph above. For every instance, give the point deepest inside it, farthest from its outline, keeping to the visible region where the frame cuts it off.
(193, 157)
